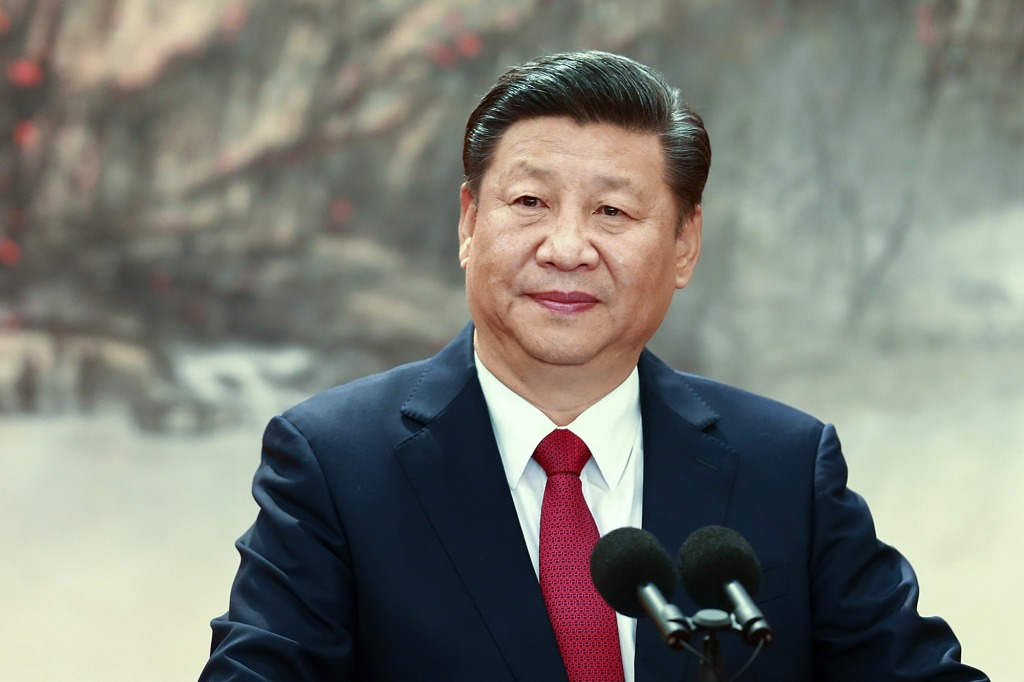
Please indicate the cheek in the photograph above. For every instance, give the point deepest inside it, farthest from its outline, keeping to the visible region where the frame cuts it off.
(491, 274)
(507, 252)
(642, 264)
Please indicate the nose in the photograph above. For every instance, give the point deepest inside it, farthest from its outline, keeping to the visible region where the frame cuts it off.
(567, 245)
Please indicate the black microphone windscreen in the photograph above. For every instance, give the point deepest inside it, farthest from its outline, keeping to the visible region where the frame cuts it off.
(713, 556)
(626, 559)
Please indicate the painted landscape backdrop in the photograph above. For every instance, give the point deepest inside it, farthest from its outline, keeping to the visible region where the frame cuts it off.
(210, 209)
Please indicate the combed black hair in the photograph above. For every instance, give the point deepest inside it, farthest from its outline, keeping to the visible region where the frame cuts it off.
(594, 87)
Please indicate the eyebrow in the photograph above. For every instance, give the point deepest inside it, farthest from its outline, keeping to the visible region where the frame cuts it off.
(616, 182)
(522, 167)
(607, 182)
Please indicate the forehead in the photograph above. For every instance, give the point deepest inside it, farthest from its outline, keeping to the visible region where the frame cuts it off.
(549, 148)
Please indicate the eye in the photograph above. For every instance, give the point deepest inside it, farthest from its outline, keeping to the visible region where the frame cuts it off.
(610, 211)
(529, 202)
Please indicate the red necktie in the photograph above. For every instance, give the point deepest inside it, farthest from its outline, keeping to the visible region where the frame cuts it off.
(584, 624)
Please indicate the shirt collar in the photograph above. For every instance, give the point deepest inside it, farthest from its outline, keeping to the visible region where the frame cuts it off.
(608, 427)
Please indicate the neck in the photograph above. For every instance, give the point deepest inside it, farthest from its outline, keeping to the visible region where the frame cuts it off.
(561, 392)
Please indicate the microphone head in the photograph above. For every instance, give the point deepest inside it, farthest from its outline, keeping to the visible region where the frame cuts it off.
(626, 559)
(712, 557)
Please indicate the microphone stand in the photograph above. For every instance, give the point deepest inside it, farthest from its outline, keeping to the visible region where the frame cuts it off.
(677, 631)
(709, 622)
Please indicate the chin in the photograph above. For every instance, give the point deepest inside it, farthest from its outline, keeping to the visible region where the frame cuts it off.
(562, 354)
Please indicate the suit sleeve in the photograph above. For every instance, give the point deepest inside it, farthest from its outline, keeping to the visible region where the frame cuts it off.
(291, 611)
(865, 594)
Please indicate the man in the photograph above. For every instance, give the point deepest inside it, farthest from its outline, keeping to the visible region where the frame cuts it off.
(412, 525)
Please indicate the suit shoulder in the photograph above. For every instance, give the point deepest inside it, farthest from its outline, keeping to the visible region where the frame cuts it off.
(727, 399)
(769, 435)
(738, 416)
(368, 397)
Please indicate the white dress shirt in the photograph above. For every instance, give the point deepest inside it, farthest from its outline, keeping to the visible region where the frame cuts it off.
(612, 478)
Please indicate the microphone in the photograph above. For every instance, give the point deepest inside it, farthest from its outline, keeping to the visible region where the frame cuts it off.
(633, 573)
(720, 571)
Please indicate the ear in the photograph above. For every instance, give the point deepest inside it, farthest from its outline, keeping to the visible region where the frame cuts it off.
(688, 247)
(467, 222)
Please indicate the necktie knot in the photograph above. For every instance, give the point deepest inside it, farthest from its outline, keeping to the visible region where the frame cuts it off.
(562, 452)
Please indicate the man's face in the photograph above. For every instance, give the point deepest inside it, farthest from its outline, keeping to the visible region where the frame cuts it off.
(573, 253)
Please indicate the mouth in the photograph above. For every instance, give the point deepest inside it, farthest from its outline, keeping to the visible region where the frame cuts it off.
(565, 301)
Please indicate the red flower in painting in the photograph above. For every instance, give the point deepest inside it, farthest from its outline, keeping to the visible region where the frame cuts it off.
(25, 73)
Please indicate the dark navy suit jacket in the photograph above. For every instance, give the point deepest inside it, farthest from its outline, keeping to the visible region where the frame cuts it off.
(387, 546)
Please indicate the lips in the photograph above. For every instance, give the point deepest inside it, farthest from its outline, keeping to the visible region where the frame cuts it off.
(565, 301)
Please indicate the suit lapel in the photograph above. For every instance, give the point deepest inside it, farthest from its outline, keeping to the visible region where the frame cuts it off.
(688, 478)
(454, 466)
